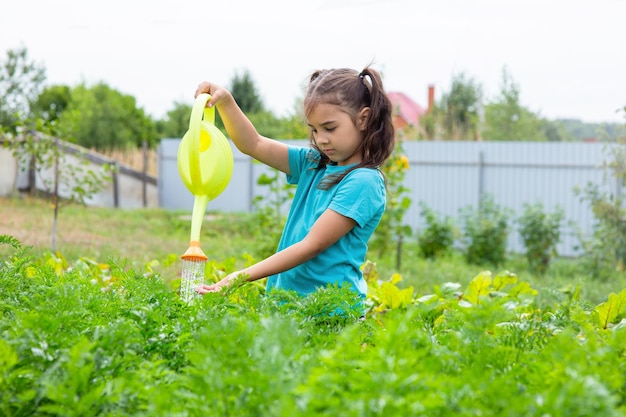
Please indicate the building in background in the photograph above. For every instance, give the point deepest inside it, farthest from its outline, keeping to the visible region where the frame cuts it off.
(407, 112)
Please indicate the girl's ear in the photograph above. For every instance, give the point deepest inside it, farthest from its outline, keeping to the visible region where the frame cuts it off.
(362, 117)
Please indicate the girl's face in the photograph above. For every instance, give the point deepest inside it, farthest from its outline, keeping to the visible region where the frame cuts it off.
(336, 134)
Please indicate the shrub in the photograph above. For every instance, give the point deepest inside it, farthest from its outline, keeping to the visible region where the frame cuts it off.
(485, 232)
(437, 236)
(540, 233)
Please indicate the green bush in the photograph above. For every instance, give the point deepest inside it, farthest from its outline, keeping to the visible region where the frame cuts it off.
(437, 236)
(485, 232)
(540, 233)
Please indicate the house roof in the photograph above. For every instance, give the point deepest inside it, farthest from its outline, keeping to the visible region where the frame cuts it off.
(406, 108)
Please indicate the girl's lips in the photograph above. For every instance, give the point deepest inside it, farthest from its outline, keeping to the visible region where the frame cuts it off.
(329, 151)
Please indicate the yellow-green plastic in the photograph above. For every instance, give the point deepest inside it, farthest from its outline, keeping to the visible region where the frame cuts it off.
(205, 160)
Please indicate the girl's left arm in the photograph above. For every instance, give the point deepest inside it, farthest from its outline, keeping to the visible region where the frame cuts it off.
(328, 229)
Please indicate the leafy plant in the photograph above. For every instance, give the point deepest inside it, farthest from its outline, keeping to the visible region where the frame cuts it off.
(605, 250)
(269, 210)
(540, 233)
(73, 179)
(485, 232)
(72, 344)
(391, 230)
(437, 236)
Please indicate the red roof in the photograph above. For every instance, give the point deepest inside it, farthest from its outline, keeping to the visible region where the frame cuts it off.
(406, 108)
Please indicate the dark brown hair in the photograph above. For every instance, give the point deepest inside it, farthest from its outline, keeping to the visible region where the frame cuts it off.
(352, 91)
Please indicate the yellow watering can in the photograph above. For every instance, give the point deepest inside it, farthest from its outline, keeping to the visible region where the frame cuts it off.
(205, 165)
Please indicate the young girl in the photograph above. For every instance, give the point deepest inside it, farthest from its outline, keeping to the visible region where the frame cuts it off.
(340, 195)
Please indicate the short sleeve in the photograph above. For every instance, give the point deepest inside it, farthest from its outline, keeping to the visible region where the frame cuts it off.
(298, 161)
(361, 196)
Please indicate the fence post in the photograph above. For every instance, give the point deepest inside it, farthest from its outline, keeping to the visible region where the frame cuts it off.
(252, 184)
(144, 172)
(116, 191)
(481, 176)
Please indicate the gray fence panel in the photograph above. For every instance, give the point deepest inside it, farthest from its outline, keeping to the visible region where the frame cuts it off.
(238, 196)
(448, 177)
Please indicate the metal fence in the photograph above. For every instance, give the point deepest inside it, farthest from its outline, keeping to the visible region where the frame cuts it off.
(448, 177)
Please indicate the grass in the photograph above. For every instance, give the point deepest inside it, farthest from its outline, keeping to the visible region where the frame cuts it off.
(141, 236)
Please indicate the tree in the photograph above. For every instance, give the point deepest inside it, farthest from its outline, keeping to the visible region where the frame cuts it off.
(103, 118)
(52, 102)
(246, 94)
(507, 120)
(460, 108)
(555, 131)
(176, 123)
(21, 81)
(64, 176)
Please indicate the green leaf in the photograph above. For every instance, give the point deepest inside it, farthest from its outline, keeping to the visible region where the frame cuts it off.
(608, 311)
(478, 287)
(503, 279)
(8, 358)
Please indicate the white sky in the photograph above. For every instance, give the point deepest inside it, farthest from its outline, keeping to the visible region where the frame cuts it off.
(567, 56)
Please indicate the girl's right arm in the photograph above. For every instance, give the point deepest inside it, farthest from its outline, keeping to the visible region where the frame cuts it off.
(242, 131)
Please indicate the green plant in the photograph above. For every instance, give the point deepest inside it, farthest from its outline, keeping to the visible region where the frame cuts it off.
(269, 209)
(605, 249)
(485, 232)
(540, 233)
(391, 230)
(437, 236)
(74, 344)
(73, 179)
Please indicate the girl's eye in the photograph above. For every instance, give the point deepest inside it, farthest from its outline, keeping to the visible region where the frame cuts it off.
(330, 129)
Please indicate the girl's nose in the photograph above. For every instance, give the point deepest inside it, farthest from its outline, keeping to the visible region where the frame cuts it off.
(321, 138)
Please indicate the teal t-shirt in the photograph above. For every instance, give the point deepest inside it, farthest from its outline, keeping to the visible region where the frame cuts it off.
(360, 196)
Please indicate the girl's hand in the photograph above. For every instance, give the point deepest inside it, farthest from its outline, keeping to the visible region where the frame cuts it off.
(218, 286)
(217, 93)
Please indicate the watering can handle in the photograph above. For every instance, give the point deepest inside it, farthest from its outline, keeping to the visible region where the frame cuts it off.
(198, 106)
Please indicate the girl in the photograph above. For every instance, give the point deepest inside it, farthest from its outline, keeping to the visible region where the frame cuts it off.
(340, 195)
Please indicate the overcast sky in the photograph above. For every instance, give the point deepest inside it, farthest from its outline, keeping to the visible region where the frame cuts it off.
(568, 57)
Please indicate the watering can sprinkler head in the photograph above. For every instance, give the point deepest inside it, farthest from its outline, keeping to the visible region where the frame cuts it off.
(194, 253)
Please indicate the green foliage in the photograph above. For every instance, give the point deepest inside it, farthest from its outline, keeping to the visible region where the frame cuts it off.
(460, 107)
(52, 102)
(506, 119)
(293, 127)
(244, 90)
(269, 125)
(540, 233)
(391, 230)
(72, 344)
(605, 250)
(485, 232)
(555, 131)
(20, 82)
(102, 118)
(437, 236)
(176, 122)
(72, 178)
(270, 208)
(611, 310)
(580, 131)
